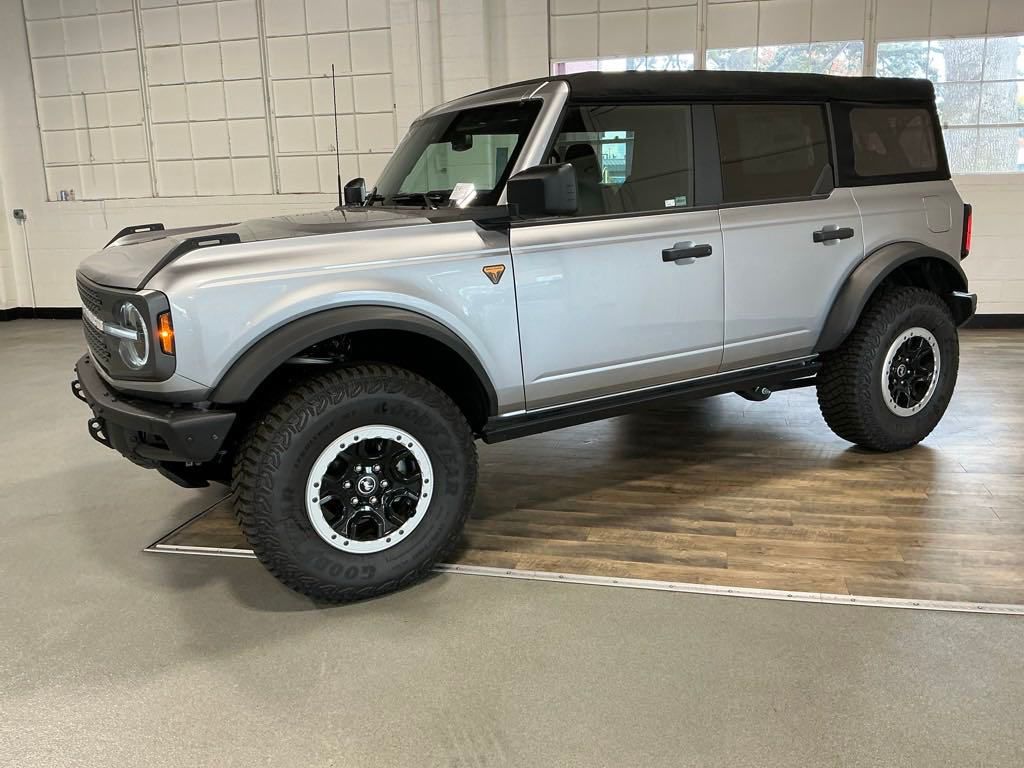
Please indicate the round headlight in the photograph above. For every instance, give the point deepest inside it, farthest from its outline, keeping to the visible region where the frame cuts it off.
(134, 352)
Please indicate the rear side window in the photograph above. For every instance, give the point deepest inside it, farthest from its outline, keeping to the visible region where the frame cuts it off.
(890, 141)
(771, 151)
(628, 157)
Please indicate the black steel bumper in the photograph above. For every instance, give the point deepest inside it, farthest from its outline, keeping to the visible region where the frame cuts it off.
(148, 432)
(963, 306)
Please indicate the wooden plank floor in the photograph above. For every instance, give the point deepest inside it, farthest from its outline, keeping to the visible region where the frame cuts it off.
(732, 493)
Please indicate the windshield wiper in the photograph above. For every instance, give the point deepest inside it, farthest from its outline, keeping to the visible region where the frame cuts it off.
(405, 197)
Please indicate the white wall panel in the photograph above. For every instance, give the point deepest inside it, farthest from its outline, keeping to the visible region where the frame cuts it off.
(931, 19)
(85, 61)
(559, 7)
(621, 5)
(574, 37)
(304, 39)
(784, 21)
(837, 20)
(732, 25)
(365, 14)
(903, 19)
(956, 17)
(672, 29)
(621, 33)
(1006, 17)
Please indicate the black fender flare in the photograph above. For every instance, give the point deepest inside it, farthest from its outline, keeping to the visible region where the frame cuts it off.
(271, 351)
(872, 272)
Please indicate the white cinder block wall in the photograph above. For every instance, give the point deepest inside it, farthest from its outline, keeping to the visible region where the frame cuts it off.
(191, 111)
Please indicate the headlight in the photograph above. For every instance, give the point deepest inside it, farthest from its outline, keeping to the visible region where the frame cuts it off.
(134, 352)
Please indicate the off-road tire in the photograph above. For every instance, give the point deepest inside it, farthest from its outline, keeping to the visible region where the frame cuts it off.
(273, 463)
(849, 384)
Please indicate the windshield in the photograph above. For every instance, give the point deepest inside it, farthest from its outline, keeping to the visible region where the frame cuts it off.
(471, 152)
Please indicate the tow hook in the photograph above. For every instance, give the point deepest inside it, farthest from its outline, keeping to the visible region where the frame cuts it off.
(98, 432)
(76, 390)
(756, 394)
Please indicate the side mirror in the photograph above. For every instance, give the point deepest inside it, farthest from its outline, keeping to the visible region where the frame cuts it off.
(544, 190)
(355, 191)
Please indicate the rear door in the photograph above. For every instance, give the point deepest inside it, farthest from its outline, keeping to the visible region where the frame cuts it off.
(790, 238)
(628, 293)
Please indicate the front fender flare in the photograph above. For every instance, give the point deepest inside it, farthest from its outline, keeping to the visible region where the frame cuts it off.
(267, 354)
(867, 276)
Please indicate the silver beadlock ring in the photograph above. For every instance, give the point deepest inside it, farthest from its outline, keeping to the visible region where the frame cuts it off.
(891, 368)
(314, 484)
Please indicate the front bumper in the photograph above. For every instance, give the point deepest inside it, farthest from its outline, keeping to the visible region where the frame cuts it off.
(149, 433)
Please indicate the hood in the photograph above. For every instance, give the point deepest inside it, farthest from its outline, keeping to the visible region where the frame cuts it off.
(130, 260)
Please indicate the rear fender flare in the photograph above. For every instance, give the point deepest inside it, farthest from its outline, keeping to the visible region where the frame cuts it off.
(865, 279)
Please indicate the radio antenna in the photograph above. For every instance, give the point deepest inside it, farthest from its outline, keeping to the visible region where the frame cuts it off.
(337, 142)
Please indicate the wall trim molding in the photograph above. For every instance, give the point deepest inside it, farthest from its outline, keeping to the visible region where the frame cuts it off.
(41, 313)
(991, 322)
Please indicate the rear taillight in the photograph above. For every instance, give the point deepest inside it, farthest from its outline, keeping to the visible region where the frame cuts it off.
(965, 241)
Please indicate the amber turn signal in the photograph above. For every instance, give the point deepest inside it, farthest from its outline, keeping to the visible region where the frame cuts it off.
(165, 332)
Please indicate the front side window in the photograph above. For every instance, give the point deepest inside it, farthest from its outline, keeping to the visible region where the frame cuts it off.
(474, 148)
(771, 151)
(628, 158)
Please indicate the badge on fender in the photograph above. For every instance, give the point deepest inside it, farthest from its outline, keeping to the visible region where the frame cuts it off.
(494, 272)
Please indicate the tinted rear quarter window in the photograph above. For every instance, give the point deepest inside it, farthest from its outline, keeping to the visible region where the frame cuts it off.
(889, 141)
(771, 151)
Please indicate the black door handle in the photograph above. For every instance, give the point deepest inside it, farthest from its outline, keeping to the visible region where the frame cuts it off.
(683, 251)
(827, 235)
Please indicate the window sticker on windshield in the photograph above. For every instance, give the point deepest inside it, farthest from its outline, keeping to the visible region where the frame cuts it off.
(672, 202)
(462, 194)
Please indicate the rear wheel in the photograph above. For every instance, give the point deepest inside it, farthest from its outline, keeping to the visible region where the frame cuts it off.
(888, 385)
(355, 482)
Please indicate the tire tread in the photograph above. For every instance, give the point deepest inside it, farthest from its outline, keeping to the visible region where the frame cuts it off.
(259, 458)
(846, 380)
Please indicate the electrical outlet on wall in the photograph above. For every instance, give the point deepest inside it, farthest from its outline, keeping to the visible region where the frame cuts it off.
(19, 214)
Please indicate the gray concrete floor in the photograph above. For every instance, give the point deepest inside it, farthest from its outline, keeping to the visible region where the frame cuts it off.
(111, 657)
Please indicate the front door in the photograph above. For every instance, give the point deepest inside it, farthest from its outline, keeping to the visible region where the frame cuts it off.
(784, 261)
(628, 294)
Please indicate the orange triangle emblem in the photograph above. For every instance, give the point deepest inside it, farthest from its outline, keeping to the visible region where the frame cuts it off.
(494, 272)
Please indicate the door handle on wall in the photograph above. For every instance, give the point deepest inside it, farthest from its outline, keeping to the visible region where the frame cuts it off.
(831, 233)
(686, 250)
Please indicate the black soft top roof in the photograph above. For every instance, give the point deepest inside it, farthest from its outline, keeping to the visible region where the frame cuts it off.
(705, 85)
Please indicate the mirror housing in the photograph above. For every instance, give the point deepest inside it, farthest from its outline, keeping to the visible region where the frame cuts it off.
(544, 190)
(355, 191)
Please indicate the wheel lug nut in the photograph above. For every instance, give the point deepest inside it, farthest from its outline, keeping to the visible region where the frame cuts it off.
(373, 499)
(376, 467)
(346, 484)
(359, 467)
(384, 483)
(355, 499)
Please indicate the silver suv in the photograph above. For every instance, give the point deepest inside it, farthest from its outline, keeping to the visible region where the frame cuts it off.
(533, 256)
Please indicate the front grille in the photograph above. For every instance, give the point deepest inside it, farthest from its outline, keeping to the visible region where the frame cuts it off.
(97, 343)
(90, 299)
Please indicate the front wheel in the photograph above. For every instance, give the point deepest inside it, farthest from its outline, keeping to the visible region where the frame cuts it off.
(888, 385)
(356, 482)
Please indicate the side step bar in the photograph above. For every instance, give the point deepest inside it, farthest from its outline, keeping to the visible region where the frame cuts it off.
(793, 373)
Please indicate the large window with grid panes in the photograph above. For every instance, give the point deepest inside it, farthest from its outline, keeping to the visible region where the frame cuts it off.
(979, 92)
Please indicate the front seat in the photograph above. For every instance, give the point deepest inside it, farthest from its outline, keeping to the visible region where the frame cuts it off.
(588, 178)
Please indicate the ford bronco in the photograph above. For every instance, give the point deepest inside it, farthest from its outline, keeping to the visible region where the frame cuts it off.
(533, 256)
